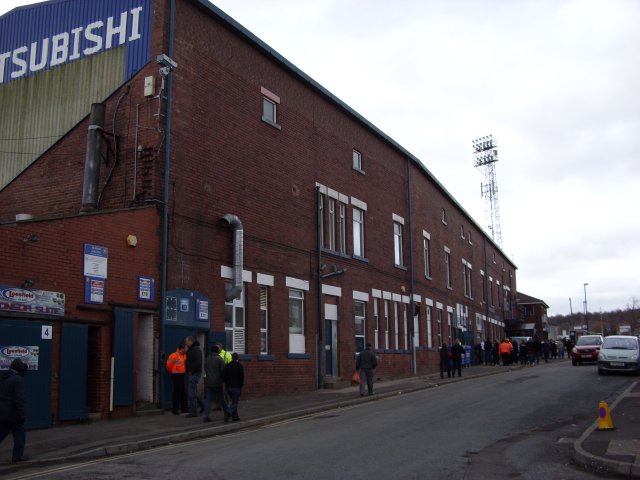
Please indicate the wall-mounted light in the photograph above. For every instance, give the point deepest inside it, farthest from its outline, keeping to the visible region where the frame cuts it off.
(132, 240)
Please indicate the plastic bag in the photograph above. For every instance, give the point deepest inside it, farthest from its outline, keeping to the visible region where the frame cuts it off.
(355, 378)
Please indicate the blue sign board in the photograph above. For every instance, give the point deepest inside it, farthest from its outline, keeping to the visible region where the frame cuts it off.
(40, 37)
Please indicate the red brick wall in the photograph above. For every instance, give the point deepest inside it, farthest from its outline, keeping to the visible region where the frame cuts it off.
(55, 263)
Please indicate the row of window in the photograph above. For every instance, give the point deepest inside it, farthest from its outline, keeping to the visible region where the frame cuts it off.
(333, 233)
(391, 323)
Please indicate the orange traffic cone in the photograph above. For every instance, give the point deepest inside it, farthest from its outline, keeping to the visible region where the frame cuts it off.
(604, 417)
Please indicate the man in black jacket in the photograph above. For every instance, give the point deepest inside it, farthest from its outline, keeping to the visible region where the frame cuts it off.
(193, 372)
(366, 363)
(13, 406)
(233, 376)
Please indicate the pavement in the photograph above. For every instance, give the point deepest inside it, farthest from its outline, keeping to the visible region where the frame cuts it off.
(616, 451)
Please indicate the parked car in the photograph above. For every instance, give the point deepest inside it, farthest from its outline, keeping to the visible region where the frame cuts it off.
(586, 349)
(619, 353)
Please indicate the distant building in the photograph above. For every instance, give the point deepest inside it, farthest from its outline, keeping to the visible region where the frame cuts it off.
(532, 318)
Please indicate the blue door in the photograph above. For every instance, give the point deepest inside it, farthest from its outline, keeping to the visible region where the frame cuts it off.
(73, 372)
(37, 337)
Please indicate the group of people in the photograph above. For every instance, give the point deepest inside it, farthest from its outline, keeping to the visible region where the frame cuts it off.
(223, 380)
(510, 352)
(451, 359)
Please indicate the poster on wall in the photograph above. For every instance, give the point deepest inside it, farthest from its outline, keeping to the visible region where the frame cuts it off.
(146, 289)
(20, 300)
(29, 355)
(93, 290)
(95, 261)
(202, 310)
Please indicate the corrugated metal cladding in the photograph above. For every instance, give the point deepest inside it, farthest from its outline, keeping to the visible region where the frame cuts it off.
(37, 111)
(37, 38)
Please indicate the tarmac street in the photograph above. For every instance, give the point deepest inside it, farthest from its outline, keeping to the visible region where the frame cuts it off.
(599, 451)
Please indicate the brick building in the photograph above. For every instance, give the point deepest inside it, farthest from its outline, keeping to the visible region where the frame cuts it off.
(216, 191)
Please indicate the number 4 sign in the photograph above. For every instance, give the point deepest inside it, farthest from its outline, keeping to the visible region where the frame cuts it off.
(47, 332)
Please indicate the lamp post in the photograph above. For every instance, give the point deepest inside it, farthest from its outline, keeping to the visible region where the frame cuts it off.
(586, 320)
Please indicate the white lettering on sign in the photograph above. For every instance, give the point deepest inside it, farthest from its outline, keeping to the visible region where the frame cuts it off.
(65, 46)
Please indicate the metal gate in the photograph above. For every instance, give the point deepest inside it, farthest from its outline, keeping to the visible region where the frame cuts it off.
(33, 334)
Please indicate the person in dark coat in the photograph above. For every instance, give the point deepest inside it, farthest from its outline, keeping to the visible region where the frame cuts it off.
(456, 356)
(213, 383)
(445, 361)
(366, 363)
(13, 407)
(233, 376)
(193, 372)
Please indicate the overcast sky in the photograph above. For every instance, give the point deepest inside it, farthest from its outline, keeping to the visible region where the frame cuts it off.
(557, 83)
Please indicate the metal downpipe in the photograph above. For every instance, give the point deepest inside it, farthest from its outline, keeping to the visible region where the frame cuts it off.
(232, 221)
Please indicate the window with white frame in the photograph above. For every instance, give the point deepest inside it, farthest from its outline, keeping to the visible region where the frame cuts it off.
(447, 267)
(450, 325)
(439, 318)
(386, 324)
(462, 231)
(491, 291)
(359, 316)
(234, 327)
(357, 160)
(358, 232)
(416, 325)
(469, 236)
(397, 243)
(484, 286)
(429, 327)
(270, 102)
(376, 320)
(405, 327)
(426, 245)
(296, 321)
(333, 225)
(342, 228)
(264, 320)
(466, 277)
(443, 216)
(395, 326)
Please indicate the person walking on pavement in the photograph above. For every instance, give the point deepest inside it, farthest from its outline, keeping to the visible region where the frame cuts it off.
(445, 361)
(13, 407)
(175, 367)
(233, 376)
(193, 371)
(488, 352)
(456, 355)
(213, 384)
(366, 363)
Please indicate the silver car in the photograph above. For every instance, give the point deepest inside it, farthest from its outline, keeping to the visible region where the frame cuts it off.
(619, 353)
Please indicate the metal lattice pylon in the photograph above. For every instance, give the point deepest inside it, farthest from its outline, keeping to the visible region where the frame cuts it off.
(485, 155)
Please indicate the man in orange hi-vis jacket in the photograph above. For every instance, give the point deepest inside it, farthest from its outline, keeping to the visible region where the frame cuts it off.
(175, 366)
(505, 350)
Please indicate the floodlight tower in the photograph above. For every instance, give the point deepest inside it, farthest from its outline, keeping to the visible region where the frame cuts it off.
(485, 155)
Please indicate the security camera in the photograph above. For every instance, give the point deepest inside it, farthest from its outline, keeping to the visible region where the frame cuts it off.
(166, 62)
